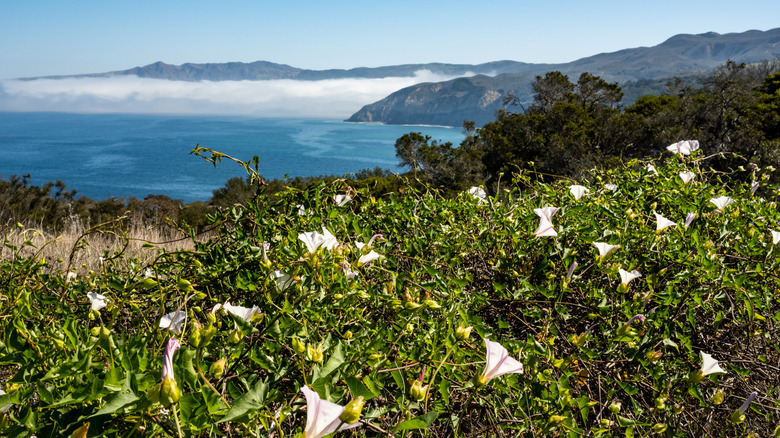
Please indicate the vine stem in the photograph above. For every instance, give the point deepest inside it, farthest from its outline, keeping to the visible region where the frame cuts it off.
(176, 417)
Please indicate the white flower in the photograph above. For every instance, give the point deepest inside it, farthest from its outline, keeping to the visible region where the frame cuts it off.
(315, 240)
(348, 272)
(689, 218)
(148, 273)
(687, 176)
(662, 222)
(5, 409)
(650, 168)
(722, 202)
(498, 362)
(173, 321)
(684, 147)
(301, 210)
(368, 257)
(478, 192)
(244, 313)
(753, 187)
(322, 416)
(342, 200)
(626, 277)
(775, 237)
(605, 249)
(98, 301)
(282, 279)
(709, 365)
(578, 191)
(610, 187)
(70, 277)
(545, 228)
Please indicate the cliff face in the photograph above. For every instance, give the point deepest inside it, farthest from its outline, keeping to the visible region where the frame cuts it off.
(440, 103)
(646, 68)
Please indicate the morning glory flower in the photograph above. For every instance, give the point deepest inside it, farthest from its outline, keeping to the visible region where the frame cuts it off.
(578, 191)
(498, 362)
(173, 321)
(605, 249)
(322, 416)
(650, 168)
(775, 237)
(315, 240)
(478, 193)
(572, 267)
(626, 276)
(753, 187)
(610, 187)
(687, 176)
(689, 218)
(342, 200)
(545, 228)
(662, 223)
(70, 277)
(708, 366)
(301, 210)
(722, 202)
(684, 147)
(244, 313)
(169, 389)
(739, 415)
(348, 272)
(98, 301)
(281, 279)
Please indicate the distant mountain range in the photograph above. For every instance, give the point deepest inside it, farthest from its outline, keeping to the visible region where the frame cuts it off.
(479, 89)
(643, 70)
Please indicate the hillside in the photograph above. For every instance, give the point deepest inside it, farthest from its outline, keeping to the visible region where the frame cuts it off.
(477, 98)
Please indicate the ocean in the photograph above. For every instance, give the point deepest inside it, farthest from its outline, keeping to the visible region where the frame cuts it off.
(129, 155)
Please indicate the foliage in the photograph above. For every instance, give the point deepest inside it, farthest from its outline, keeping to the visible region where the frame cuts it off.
(396, 333)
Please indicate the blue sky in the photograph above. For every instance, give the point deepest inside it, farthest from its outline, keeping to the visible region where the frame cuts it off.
(48, 37)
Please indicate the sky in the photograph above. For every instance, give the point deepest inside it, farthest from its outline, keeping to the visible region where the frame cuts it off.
(55, 37)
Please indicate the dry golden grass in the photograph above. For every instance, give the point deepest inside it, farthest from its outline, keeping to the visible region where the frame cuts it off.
(80, 250)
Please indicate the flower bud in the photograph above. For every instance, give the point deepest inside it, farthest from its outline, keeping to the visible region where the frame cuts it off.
(418, 391)
(737, 417)
(217, 368)
(196, 334)
(579, 340)
(298, 346)
(185, 285)
(462, 332)
(696, 376)
(677, 408)
(94, 331)
(169, 392)
(557, 419)
(314, 354)
(659, 428)
(605, 423)
(432, 304)
(653, 356)
(207, 334)
(717, 397)
(348, 334)
(352, 411)
(615, 406)
(660, 403)
(104, 332)
(235, 336)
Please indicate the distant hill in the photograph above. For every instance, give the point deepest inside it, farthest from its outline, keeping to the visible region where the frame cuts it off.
(638, 70)
(264, 70)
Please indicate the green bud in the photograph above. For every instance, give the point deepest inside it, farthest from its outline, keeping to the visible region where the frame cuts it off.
(432, 304)
(95, 331)
(677, 408)
(736, 417)
(348, 334)
(298, 346)
(169, 392)
(217, 368)
(81, 432)
(615, 406)
(462, 332)
(579, 340)
(607, 423)
(696, 376)
(196, 334)
(207, 334)
(185, 285)
(653, 356)
(659, 428)
(660, 403)
(147, 283)
(235, 336)
(314, 354)
(717, 397)
(418, 391)
(352, 411)
(557, 419)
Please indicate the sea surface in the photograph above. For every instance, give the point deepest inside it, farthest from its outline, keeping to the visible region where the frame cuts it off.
(121, 155)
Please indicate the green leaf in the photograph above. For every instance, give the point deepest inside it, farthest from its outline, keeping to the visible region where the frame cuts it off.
(121, 400)
(334, 361)
(421, 422)
(249, 402)
(358, 389)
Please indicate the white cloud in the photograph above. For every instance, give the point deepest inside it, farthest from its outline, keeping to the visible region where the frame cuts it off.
(337, 98)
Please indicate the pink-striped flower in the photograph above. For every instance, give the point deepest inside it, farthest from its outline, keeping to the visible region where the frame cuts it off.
(322, 416)
(498, 362)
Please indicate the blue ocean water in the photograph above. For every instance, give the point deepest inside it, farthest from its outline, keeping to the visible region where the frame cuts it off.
(121, 155)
